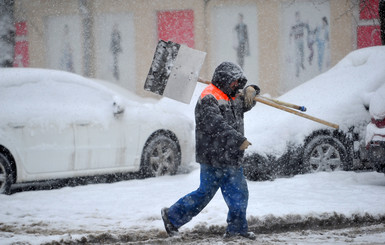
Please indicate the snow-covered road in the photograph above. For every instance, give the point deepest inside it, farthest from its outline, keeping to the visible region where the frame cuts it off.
(315, 201)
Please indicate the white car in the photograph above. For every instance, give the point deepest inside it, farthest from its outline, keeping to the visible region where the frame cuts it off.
(375, 131)
(56, 125)
(284, 144)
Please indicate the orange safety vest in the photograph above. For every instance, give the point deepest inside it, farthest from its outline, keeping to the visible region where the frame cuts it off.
(216, 92)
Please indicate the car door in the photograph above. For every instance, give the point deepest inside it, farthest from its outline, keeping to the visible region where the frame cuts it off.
(106, 147)
(43, 139)
(44, 149)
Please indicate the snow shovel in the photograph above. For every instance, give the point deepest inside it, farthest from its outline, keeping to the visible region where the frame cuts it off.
(175, 71)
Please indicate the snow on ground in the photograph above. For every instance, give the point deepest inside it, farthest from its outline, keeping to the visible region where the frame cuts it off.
(134, 205)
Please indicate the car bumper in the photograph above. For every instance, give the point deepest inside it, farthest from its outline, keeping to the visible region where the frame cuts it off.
(376, 154)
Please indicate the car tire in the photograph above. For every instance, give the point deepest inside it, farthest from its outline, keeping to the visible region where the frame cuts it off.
(325, 153)
(161, 156)
(5, 175)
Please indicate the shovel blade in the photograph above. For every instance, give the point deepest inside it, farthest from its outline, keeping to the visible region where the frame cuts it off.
(174, 71)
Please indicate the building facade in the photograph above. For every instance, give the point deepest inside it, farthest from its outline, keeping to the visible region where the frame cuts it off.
(279, 43)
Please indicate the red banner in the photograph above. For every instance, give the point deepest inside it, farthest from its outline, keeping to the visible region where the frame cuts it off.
(368, 9)
(368, 36)
(177, 26)
(21, 58)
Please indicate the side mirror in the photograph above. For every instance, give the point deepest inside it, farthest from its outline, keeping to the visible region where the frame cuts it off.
(118, 110)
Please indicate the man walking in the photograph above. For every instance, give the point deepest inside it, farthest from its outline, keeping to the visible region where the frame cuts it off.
(220, 145)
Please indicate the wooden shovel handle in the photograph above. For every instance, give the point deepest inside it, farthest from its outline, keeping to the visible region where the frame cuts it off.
(284, 106)
(297, 107)
(201, 80)
(270, 103)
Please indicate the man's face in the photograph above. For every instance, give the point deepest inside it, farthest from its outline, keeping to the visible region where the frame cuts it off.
(234, 85)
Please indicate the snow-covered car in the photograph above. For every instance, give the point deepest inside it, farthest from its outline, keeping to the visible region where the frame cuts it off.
(375, 131)
(284, 144)
(56, 125)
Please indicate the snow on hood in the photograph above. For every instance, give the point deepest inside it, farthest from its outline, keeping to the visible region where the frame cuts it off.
(338, 96)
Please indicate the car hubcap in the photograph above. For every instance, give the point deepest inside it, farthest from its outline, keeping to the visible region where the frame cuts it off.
(162, 159)
(325, 157)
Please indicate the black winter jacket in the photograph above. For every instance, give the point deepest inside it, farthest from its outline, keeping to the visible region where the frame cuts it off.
(219, 119)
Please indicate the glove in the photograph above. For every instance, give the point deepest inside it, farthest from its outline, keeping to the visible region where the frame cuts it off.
(250, 93)
(244, 145)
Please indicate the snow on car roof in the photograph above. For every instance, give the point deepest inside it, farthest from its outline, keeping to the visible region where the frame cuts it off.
(338, 96)
(42, 96)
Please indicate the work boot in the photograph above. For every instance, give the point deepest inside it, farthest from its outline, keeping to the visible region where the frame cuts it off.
(170, 228)
(250, 235)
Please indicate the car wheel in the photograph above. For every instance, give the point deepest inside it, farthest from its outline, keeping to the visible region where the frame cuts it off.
(5, 175)
(161, 156)
(325, 153)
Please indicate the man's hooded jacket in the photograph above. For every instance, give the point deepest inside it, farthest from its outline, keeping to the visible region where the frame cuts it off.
(219, 118)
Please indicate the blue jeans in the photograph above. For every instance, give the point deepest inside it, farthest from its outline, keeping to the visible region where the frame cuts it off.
(234, 190)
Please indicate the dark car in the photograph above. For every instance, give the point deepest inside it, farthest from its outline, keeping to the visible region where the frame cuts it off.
(285, 144)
